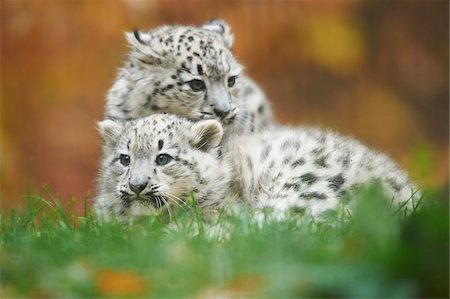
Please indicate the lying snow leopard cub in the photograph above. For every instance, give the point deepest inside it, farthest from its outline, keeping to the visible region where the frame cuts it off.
(152, 162)
(157, 161)
(191, 72)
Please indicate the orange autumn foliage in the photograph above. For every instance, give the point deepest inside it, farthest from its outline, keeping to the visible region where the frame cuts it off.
(377, 70)
(121, 283)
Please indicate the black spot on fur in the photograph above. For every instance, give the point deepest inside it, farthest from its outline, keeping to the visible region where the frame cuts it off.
(308, 178)
(394, 184)
(336, 182)
(313, 195)
(190, 38)
(199, 69)
(298, 162)
(285, 144)
(289, 144)
(156, 108)
(287, 160)
(293, 186)
(321, 161)
(160, 144)
(346, 161)
(266, 152)
(318, 151)
(164, 89)
(323, 138)
(149, 99)
(297, 210)
(261, 109)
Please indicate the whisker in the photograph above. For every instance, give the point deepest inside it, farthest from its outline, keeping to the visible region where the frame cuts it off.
(173, 197)
(174, 200)
(245, 120)
(168, 207)
(158, 202)
(176, 197)
(166, 196)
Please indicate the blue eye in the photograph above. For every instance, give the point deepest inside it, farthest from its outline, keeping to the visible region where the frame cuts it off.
(125, 160)
(197, 85)
(163, 159)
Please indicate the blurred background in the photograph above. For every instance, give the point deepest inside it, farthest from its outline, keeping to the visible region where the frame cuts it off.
(378, 70)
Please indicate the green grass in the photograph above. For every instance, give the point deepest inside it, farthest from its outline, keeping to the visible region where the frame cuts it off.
(49, 251)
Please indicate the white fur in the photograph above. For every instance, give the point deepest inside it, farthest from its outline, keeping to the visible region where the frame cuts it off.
(162, 61)
(305, 169)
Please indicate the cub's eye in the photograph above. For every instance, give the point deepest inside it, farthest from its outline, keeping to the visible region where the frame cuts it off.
(231, 81)
(163, 159)
(125, 160)
(197, 85)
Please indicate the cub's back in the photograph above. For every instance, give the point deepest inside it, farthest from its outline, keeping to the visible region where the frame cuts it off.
(309, 168)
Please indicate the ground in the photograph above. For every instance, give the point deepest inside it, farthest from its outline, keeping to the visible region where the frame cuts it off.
(49, 251)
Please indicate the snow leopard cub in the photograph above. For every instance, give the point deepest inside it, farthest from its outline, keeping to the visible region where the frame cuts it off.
(191, 72)
(156, 161)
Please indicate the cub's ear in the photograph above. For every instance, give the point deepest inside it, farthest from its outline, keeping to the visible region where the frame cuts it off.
(222, 28)
(141, 42)
(110, 130)
(206, 134)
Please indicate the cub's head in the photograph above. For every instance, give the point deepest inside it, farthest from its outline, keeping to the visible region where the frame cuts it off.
(155, 163)
(183, 70)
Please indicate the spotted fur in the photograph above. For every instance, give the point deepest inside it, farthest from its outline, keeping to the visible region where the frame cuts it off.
(191, 72)
(310, 170)
(142, 182)
(301, 169)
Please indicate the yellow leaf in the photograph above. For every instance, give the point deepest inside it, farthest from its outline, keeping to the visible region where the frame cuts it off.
(120, 283)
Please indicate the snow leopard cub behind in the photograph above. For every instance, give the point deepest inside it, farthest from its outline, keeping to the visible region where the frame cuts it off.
(191, 72)
(157, 161)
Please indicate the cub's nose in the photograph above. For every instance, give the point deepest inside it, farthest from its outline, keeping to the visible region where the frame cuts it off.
(222, 113)
(138, 188)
